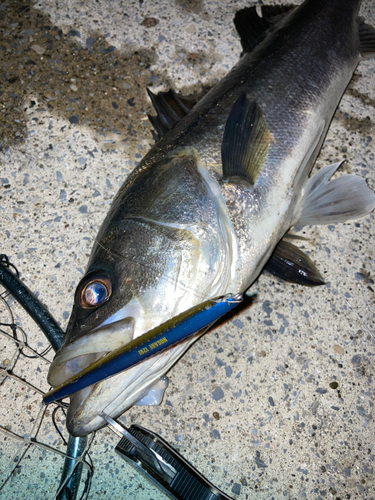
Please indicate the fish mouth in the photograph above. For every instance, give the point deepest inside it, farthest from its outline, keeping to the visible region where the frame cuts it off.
(113, 395)
(77, 355)
(72, 358)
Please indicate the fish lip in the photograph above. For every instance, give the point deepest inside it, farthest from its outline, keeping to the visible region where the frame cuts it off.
(77, 400)
(77, 355)
(86, 405)
(70, 366)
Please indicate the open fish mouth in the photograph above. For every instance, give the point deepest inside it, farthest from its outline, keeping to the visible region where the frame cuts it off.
(72, 358)
(77, 355)
(115, 394)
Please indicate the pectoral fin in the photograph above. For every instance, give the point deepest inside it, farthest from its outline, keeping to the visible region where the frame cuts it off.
(246, 141)
(154, 395)
(328, 201)
(289, 263)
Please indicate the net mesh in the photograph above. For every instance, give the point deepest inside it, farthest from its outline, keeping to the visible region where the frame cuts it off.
(33, 435)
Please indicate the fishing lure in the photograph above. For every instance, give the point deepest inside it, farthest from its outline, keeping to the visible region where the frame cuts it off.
(192, 322)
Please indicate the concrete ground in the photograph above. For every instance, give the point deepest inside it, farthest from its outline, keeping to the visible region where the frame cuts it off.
(277, 403)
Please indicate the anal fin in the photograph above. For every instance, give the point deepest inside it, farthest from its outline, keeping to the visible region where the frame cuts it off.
(289, 263)
(246, 141)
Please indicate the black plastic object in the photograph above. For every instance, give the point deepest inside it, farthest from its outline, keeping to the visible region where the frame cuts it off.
(184, 483)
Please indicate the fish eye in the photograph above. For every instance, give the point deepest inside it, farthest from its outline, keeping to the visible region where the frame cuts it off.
(93, 291)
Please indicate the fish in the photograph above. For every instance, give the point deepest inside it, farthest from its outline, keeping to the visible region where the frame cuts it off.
(208, 207)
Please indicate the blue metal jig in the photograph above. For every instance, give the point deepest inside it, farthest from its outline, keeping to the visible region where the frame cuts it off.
(161, 338)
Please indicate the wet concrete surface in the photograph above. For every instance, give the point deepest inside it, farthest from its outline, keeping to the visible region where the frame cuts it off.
(278, 402)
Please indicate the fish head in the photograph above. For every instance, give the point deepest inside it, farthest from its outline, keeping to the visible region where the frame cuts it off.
(157, 254)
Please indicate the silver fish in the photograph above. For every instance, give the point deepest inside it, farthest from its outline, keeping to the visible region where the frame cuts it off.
(206, 208)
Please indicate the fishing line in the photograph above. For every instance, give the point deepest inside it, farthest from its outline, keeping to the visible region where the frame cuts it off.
(21, 344)
(55, 410)
(4, 261)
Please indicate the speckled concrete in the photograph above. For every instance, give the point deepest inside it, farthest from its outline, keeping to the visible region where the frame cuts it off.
(275, 404)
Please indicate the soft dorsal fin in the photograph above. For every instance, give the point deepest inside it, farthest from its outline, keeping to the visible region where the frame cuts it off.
(252, 28)
(289, 263)
(245, 142)
(366, 39)
(170, 108)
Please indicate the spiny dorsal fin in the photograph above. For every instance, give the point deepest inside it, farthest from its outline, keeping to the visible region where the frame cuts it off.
(245, 142)
(171, 108)
(289, 263)
(328, 201)
(252, 28)
(366, 39)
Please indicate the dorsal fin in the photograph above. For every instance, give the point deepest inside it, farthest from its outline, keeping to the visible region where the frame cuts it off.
(289, 263)
(171, 108)
(252, 28)
(245, 142)
(273, 13)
